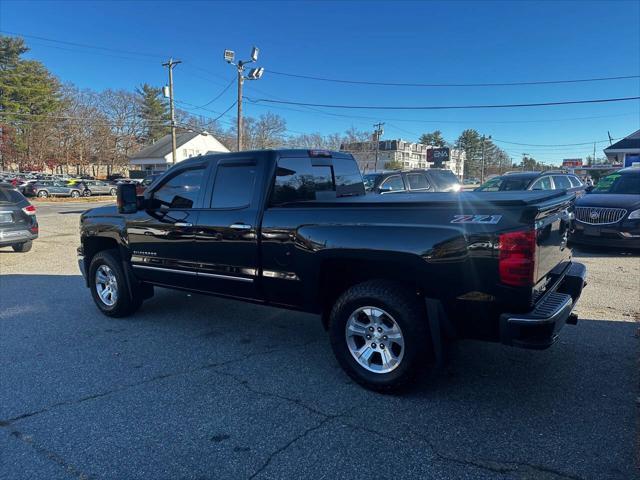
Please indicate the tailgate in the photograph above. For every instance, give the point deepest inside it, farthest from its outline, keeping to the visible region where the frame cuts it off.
(552, 223)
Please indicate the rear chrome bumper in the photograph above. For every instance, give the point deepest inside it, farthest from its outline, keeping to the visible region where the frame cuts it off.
(11, 237)
(538, 328)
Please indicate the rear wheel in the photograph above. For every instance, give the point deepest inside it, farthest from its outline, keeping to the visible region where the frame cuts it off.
(379, 334)
(108, 286)
(87, 193)
(22, 247)
(113, 192)
(75, 194)
(43, 194)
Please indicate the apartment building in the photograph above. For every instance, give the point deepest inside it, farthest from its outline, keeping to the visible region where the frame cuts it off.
(407, 155)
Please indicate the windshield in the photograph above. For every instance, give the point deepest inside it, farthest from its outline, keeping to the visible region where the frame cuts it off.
(504, 184)
(628, 184)
(369, 181)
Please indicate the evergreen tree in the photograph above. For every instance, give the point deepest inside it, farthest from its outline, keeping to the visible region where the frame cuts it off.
(154, 113)
(435, 139)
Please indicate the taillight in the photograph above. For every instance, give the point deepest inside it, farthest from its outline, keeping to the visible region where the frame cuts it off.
(30, 210)
(517, 260)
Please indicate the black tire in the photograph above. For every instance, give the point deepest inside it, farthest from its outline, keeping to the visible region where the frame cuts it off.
(408, 311)
(75, 194)
(124, 305)
(86, 193)
(113, 192)
(22, 247)
(42, 194)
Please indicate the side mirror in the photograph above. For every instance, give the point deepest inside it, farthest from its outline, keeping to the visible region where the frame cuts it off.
(384, 190)
(127, 200)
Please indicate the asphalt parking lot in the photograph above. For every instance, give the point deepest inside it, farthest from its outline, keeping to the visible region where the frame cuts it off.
(196, 387)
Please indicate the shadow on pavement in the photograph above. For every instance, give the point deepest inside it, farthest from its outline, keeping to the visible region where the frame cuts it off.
(566, 412)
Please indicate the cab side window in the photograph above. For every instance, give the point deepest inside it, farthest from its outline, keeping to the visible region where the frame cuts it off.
(562, 182)
(418, 181)
(575, 181)
(543, 183)
(393, 184)
(181, 190)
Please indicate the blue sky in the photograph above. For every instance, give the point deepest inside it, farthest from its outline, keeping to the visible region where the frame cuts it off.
(432, 42)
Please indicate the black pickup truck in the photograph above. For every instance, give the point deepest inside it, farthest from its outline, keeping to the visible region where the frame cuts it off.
(391, 276)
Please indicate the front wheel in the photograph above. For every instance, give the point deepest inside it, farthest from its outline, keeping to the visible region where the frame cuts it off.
(87, 193)
(109, 288)
(43, 194)
(379, 334)
(113, 192)
(75, 194)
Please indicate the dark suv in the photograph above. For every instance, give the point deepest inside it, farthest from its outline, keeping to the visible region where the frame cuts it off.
(18, 224)
(429, 180)
(550, 180)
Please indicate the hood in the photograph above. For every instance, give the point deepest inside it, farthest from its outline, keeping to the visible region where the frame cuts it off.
(609, 200)
(105, 211)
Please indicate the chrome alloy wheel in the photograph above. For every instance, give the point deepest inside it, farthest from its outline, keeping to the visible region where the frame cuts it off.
(106, 285)
(374, 339)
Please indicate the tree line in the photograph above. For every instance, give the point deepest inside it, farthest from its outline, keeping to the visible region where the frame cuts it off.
(56, 127)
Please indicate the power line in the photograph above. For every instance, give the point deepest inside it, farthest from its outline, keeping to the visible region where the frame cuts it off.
(84, 45)
(449, 107)
(496, 84)
(233, 80)
(553, 145)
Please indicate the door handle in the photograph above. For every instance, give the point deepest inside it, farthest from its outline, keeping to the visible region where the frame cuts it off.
(240, 226)
(183, 224)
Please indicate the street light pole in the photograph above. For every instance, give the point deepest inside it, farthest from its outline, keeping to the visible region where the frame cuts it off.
(171, 64)
(254, 74)
(239, 102)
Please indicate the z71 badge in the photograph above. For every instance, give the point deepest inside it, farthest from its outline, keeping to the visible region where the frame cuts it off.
(482, 219)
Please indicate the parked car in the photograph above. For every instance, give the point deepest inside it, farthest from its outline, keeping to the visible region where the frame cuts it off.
(98, 187)
(609, 215)
(52, 188)
(18, 223)
(388, 274)
(549, 180)
(471, 181)
(428, 180)
(142, 186)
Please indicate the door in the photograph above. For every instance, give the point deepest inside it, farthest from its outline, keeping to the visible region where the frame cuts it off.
(161, 237)
(227, 235)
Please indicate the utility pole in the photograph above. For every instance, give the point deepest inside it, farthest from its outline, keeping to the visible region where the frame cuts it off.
(254, 74)
(484, 139)
(170, 65)
(377, 133)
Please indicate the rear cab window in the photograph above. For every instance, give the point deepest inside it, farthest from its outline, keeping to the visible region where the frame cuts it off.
(234, 185)
(305, 179)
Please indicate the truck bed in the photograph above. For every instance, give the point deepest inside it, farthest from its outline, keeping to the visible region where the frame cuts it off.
(506, 199)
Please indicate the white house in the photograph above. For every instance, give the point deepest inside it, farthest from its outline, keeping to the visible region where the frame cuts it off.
(626, 152)
(158, 157)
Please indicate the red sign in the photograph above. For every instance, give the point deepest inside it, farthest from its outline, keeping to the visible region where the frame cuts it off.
(572, 162)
